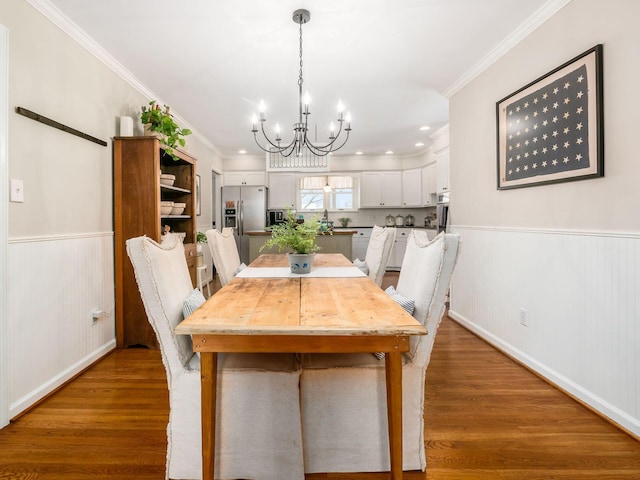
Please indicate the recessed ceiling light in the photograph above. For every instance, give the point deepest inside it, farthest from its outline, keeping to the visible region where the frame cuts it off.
(242, 152)
(389, 152)
(419, 144)
(358, 153)
(425, 127)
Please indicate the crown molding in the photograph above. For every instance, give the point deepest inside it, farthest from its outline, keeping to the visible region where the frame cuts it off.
(444, 130)
(51, 12)
(544, 13)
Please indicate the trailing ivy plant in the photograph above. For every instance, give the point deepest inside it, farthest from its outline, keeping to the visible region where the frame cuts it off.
(160, 120)
(298, 237)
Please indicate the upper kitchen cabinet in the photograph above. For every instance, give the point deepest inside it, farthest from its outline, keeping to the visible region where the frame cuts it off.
(442, 170)
(429, 195)
(244, 178)
(282, 191)
(441, 151)
(412, 187)
(381, 189)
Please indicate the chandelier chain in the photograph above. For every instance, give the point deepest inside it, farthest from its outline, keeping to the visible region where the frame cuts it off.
(300, 79)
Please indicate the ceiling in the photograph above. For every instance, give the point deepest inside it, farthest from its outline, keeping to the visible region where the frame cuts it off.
(388, 61)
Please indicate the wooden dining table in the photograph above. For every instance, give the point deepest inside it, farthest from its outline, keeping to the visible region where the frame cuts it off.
(315, 313)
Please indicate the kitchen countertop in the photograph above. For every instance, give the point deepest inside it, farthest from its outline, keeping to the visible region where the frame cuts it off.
(369, 226)
(258, 233)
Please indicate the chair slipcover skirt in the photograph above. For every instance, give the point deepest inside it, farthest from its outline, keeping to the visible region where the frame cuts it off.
(258, 427)
(343, 396)
(344, 414)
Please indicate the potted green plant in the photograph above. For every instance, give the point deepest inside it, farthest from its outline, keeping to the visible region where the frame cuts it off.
(344, 221)
(200, 239)
(299, 238)
(157, 119)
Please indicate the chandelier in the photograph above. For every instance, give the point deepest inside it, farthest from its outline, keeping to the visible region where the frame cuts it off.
(300, 140)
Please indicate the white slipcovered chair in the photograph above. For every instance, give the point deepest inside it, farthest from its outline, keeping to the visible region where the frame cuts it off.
(258, 432)
(343, 396)
(224, 252)
(378, 252)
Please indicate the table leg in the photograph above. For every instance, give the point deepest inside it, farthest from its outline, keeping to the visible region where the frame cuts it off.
(208, 380)
(393, 368)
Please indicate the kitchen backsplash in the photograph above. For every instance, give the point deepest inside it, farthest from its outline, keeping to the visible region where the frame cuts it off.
(370, 217)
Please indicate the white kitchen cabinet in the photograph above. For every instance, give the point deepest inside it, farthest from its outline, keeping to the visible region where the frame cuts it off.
(244, 178)
(399, 249)
(282, 191)
(412, 187)
(442, 170)
(429, 195)
(360, 243)
(381, 189)
(441, 152)
(370, 187)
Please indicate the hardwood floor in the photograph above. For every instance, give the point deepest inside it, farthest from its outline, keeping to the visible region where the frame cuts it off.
(110, 422)
(486, 418)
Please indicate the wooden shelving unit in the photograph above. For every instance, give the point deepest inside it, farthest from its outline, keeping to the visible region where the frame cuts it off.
(137, 193)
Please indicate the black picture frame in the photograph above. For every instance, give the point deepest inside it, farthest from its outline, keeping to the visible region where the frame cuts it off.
(552, 130)
(198, 205)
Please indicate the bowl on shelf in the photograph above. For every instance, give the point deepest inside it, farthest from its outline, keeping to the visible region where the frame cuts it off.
(178, 208)
(165, 208)
(167, 179)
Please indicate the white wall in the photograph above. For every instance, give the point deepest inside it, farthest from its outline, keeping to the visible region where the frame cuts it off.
(61, 238)
(568, 253)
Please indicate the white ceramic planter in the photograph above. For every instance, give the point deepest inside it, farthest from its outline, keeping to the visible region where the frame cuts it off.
(301, 262)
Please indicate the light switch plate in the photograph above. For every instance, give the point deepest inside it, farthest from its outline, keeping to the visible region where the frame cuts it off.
(17, 191)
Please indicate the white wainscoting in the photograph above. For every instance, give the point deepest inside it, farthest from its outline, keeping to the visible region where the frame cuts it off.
(54, 285)
(581, 294)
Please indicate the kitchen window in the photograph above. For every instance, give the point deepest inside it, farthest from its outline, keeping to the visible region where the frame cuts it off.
(314, 192)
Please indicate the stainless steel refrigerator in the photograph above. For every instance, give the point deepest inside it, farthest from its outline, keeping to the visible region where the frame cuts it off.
(244, 209)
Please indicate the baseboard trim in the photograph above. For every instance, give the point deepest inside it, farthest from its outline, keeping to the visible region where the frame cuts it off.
(613, 415)
(38, 395)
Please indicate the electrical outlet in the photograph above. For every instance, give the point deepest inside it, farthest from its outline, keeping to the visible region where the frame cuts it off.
(524, 317)
(96, 315)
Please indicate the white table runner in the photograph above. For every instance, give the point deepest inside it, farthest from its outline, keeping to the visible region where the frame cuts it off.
(285, 272)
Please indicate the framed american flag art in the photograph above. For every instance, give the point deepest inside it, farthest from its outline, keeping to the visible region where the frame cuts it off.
(552, 129)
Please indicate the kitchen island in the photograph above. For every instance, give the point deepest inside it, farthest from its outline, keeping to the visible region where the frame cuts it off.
(338, 242)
